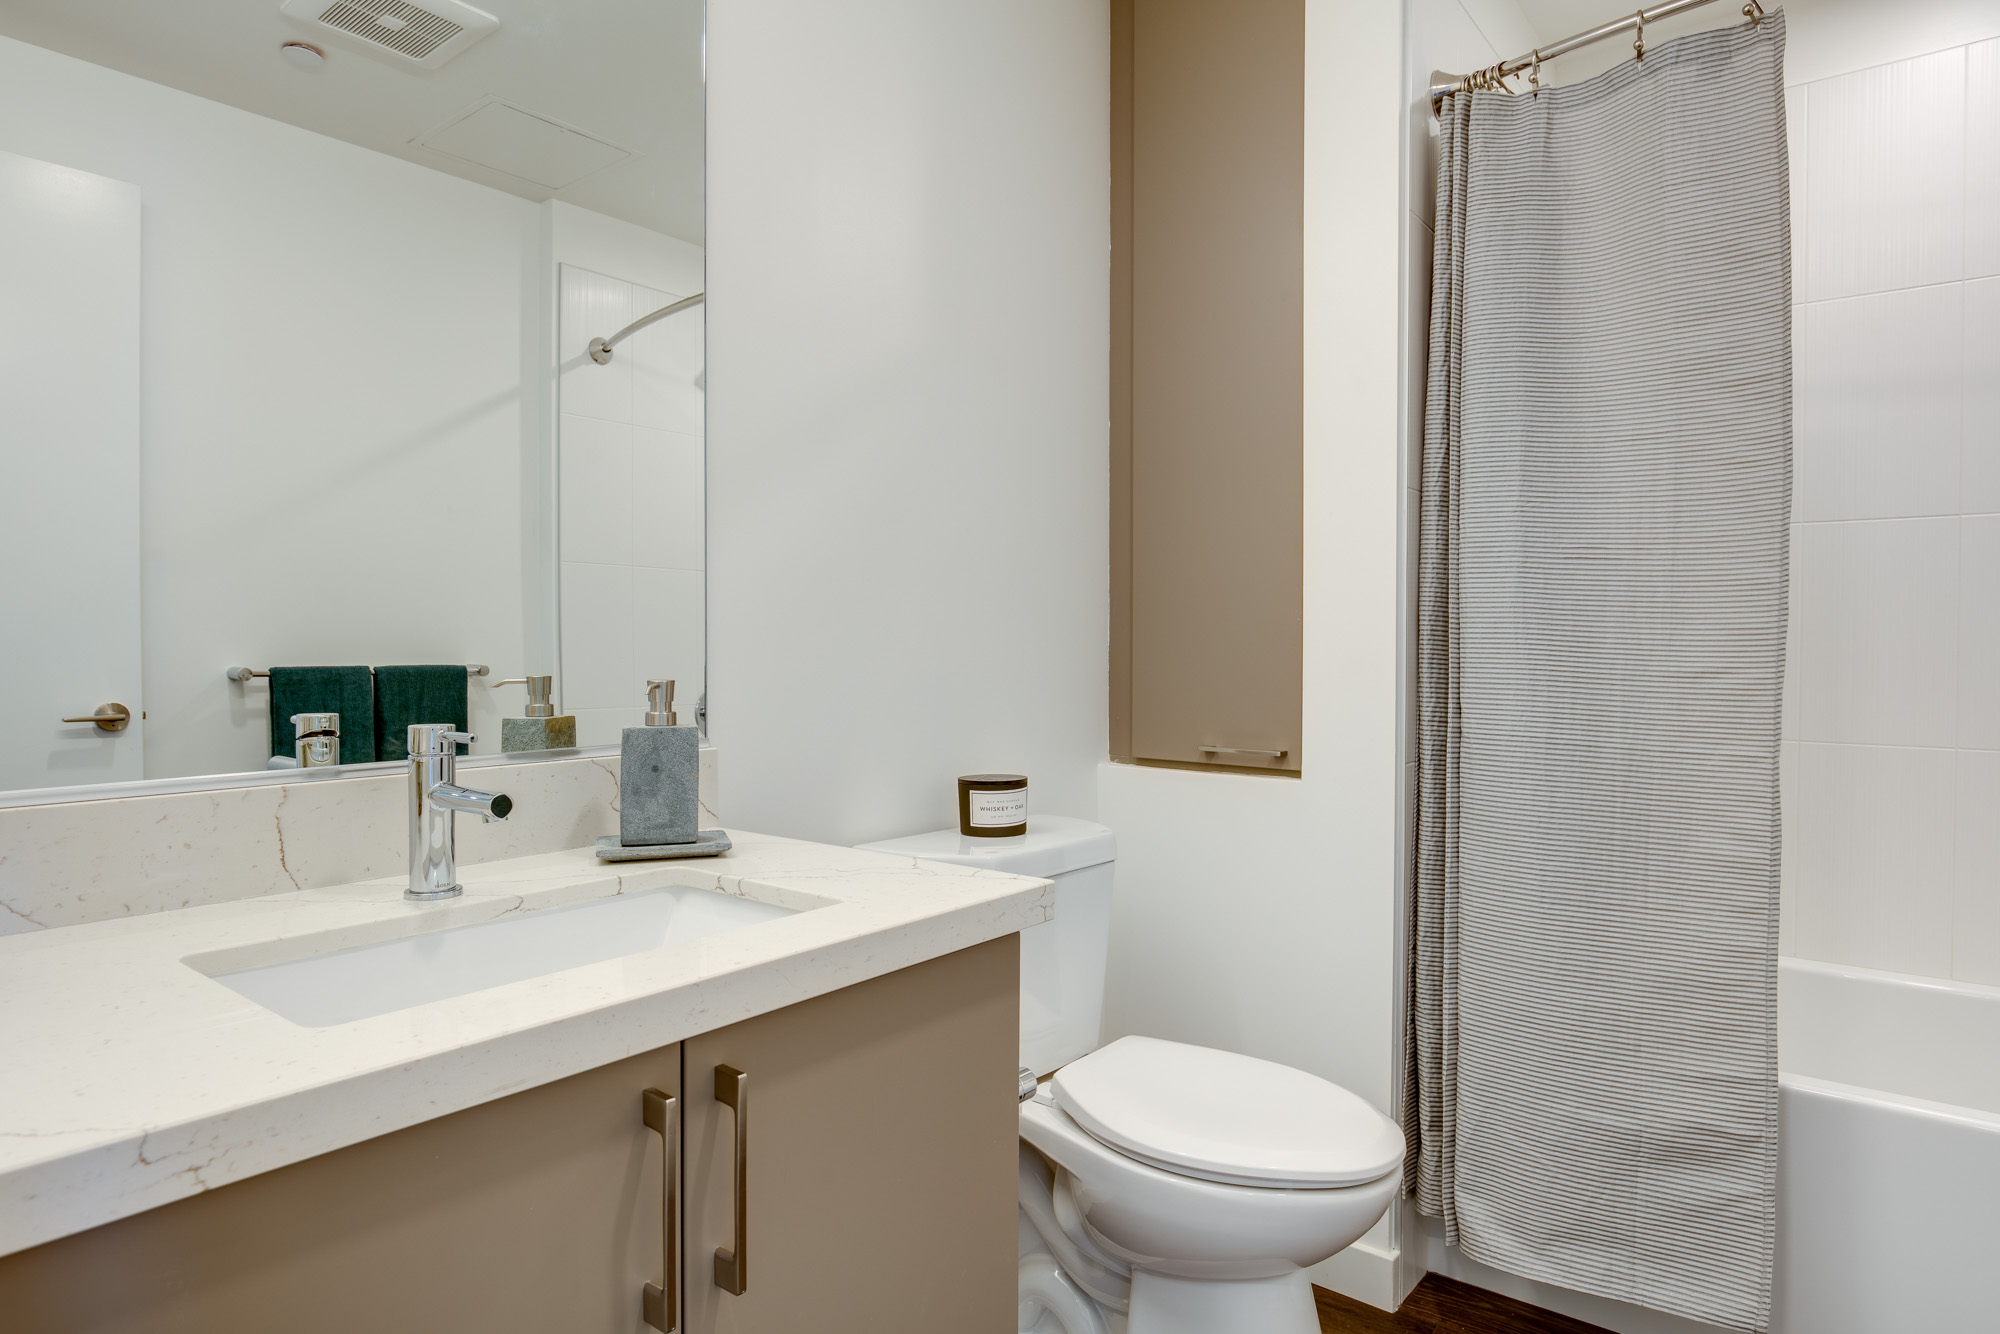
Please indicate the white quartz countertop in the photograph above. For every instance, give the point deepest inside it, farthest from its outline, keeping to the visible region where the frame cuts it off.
(128, 1079)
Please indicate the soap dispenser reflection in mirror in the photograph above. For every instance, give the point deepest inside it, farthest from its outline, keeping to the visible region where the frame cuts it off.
(540, 728)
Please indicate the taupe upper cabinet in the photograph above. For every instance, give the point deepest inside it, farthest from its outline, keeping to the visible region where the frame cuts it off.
(1207, 381)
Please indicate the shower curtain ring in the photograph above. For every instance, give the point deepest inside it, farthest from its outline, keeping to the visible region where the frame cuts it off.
(1535, 74)
(1754, 12)
(1639, 36)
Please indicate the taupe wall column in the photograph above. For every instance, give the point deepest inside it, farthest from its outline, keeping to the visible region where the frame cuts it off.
(1207, 381)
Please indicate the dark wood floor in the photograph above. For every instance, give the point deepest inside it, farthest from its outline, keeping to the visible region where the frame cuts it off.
(1442, 1306)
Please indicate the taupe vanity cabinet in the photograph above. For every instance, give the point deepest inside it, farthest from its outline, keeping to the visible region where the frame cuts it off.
(1207, 381)
(879, 1157)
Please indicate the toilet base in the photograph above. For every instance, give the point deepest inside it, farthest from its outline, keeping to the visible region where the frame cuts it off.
(1163, 1304)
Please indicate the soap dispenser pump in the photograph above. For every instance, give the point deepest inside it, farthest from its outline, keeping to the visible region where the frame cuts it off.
(659, 776)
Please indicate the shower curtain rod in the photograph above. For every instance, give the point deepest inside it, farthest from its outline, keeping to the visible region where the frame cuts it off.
(600, 348)
(1443, 84)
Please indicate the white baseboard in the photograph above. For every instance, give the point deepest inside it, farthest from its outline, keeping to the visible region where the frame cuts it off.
(1364, 1273)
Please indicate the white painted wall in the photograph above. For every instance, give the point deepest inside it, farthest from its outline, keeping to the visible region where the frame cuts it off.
(908, 476)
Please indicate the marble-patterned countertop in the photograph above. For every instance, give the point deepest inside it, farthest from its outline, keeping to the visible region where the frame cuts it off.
(129, 1080)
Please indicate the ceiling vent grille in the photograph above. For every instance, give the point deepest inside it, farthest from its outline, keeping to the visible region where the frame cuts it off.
(423, 35)
(399, 26)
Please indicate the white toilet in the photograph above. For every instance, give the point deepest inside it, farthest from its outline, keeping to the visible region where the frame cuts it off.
(1169, 1189)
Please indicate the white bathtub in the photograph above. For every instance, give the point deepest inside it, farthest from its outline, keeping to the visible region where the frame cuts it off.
(1889, 1157)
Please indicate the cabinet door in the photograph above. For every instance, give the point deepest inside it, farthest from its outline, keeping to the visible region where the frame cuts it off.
(880, 1170)
(534, 1213)
(1208, 381)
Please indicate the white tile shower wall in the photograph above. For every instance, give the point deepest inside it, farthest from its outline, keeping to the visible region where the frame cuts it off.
(1885, 198)
(1876, 368)
(1979, 480)
(631, 511)
(1982, 159)
(1891, 765)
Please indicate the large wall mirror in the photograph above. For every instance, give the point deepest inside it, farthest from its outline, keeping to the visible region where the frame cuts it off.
(297, 300)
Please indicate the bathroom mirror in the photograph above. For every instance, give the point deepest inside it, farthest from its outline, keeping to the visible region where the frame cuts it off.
(296, 305)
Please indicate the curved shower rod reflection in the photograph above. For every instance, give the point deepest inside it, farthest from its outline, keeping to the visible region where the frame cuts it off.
(600, 348)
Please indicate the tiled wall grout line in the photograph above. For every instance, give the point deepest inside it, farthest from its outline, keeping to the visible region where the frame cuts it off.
(1883, 291)
(1896, 745)
(1899, 518)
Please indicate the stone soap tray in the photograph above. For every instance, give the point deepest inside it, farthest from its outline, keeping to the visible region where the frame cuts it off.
(707, 843)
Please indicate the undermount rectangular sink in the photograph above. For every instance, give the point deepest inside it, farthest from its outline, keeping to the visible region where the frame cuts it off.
(368, 980)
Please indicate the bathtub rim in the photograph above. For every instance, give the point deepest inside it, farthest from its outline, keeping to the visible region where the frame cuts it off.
(1945, 1112)
(1944, 1035)
(1854, 972)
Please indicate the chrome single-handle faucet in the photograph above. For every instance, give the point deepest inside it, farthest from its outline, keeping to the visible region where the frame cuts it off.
(435, 800)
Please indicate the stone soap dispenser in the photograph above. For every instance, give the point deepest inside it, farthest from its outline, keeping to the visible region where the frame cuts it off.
(659, 802)
(539, 728)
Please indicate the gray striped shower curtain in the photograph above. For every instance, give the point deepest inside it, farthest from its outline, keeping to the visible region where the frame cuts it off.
(1591, 1084)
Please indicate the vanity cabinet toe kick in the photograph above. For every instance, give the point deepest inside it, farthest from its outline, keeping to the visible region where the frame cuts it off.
(873, 1189)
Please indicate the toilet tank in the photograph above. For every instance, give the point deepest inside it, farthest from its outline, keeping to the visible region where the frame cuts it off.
(1062, 960)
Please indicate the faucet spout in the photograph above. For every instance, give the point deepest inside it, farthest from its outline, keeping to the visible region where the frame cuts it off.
(435, 800)
(488, 806)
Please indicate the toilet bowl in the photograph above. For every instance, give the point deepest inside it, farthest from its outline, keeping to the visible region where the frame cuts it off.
(1188, 1190)
(1165, 1188)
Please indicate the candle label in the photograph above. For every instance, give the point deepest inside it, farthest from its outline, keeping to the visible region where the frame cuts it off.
(997, 810)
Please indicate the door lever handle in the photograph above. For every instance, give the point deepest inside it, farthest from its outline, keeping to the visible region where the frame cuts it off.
(109, 718)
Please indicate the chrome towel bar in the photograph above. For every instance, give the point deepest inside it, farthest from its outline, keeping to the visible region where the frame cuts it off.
(245, 673)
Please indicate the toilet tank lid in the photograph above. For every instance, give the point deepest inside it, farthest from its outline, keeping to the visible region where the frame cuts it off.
(1053, 845)
(1227, 1117)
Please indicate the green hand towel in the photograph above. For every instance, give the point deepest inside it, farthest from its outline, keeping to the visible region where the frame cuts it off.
(347, 691)
(407, 695)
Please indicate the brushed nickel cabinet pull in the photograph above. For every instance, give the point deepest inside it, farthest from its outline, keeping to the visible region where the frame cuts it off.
(109, 718)
(663, 1299)
(1239, 750)
(732, 1089)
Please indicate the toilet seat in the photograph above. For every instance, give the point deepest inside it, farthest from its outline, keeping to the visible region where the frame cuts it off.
(1224, 1117)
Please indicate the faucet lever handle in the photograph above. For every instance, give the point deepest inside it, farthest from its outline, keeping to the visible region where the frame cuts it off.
(436, 739)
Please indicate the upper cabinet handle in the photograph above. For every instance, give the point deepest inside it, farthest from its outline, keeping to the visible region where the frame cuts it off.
(663, 1299)
(109, 718)
(1239, 750)
(732, 1089)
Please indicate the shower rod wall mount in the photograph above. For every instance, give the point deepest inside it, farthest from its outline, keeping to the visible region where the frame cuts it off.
(600, 348)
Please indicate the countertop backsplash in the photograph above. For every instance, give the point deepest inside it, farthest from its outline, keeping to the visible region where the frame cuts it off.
(69, 862)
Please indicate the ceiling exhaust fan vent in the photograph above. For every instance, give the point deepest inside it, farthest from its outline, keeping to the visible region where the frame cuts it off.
(425, 35)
